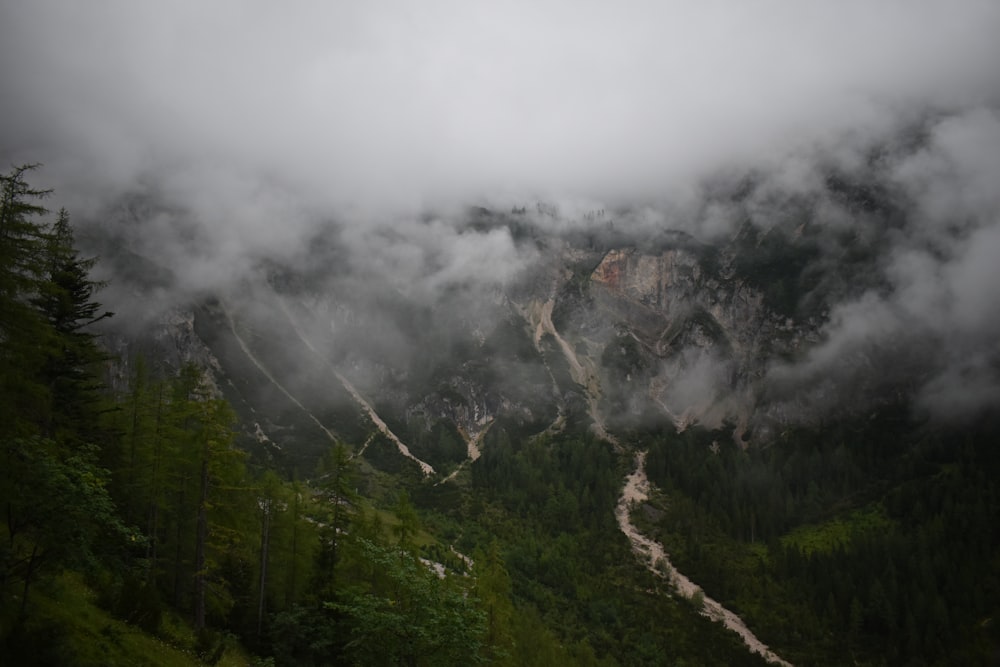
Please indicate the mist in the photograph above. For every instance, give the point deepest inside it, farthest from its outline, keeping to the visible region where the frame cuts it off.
(932, 315)
(389, 107)
(245, 130)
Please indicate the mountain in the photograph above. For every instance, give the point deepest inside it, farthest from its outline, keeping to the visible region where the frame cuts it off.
(500, 334)
(765, 372)
(607, 330)
(593, 336)
(622, 335)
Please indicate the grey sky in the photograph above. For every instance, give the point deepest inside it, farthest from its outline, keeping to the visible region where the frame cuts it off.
(402, 104)
(249, 122)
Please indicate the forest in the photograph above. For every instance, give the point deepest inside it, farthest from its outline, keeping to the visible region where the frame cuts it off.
(135, 509)
(875, 536)
(136, 530)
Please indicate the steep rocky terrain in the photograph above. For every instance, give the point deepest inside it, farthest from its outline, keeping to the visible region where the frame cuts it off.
(606, 337)
(772, 378)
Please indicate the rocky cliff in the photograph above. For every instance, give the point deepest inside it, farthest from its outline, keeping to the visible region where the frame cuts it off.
(594, 333)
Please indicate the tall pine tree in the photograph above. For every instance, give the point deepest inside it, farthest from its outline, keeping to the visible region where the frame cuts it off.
(24, 333)
(66, 300)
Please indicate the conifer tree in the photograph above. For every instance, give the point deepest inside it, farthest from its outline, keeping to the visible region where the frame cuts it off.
(24, 333)
(47, 353)
(337, 494)
(493, 591)
(66, 300)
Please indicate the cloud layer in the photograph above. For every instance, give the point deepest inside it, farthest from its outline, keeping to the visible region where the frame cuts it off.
(391, 104)
(249, 126)
(936, 314)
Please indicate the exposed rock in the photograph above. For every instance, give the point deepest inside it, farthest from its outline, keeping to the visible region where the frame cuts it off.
(608, 338)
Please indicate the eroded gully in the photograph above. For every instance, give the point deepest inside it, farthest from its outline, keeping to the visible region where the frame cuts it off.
(635, 491)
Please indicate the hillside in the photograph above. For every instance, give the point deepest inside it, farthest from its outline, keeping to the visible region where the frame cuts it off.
(511, 403)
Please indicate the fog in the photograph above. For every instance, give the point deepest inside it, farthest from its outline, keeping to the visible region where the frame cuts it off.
(936, 312)
(388, 106)
(248, 127)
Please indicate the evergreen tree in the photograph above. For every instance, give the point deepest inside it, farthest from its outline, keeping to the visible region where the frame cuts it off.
(66, 301)
(24, 333)
(338, 509)
(493, 591)
(48, 356)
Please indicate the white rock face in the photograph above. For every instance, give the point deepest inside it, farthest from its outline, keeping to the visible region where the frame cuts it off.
(708, 337)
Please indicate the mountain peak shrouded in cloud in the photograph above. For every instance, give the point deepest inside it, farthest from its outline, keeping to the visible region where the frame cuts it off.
(249, 128)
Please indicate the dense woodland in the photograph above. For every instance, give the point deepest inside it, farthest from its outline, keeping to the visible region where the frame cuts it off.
(879, 536)
(871, 541)
(143, 496)
(134, 508)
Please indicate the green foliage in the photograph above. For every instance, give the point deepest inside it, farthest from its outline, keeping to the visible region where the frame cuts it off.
(57, 513)
(566, 484)
(440, 445)
(338, 510)
(577, 592)
(138, 603)
(838, 532)
(308, 636)
(493, 590)
(234, 551)
(871, 540)
(176, 472)
(65, 298)
(67, 627)
(47, 357)
(405, 615)
(883, 545)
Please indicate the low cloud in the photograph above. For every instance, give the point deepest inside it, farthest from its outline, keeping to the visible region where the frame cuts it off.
(388, 106)
(936, 316)
(247, 131)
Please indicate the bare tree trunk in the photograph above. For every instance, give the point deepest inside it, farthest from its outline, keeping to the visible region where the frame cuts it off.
(130, 481)
(265, 540)
(178, 534)
(27, 579)
(199, 547)
(154, 493)
(292, 576)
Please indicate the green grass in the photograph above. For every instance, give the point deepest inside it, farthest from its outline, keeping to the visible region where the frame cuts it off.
(65, 626)
(838, 532)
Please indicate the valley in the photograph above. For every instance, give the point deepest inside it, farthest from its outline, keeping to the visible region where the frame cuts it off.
(500, 334)
(619, 455)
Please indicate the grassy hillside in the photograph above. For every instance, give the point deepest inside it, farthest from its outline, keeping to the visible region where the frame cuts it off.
(66, 626)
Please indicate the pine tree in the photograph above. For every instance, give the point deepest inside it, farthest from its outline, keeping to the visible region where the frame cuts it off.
(66, 300)
(216, 473)
(24, 333)
(493, 591)
(47, 354)
(336, 486)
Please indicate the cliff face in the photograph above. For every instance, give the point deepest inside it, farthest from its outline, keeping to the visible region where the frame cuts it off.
(660, 281)
(690, 340)
(588, 337)
(693, 307)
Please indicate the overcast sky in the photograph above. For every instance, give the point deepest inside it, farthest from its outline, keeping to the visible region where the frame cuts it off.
(406, 104)
(258, 119)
